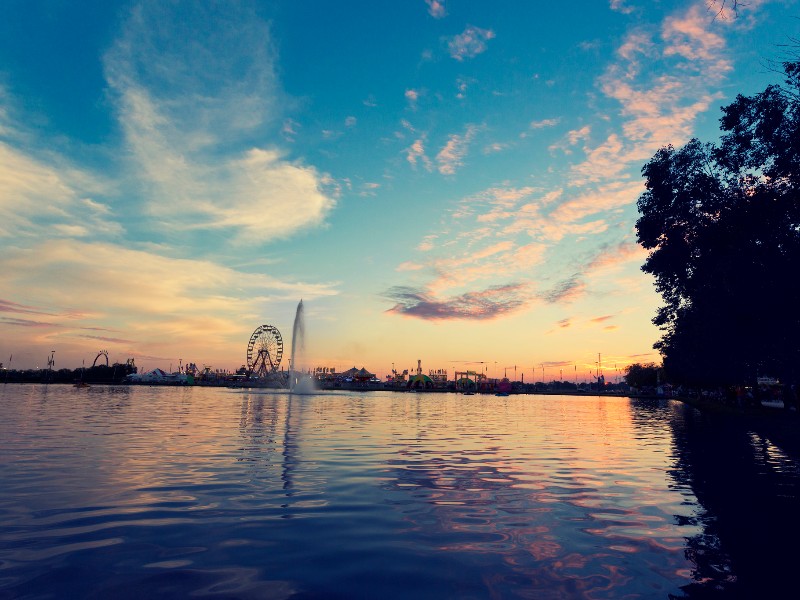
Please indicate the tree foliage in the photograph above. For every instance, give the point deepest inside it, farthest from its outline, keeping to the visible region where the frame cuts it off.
(722, 223)
(640, 375)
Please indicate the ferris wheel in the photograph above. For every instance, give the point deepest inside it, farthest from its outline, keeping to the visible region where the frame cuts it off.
(264, 350)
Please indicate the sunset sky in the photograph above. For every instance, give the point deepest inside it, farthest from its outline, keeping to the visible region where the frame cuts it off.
(452, 181)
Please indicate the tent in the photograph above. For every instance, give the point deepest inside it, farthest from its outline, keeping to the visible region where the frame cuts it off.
(358, 374)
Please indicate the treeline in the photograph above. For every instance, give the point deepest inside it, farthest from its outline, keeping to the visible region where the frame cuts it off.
(111, 374)
(722, 224)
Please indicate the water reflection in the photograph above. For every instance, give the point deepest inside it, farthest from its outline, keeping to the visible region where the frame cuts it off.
(549, 510)
(749, 491)
(185, 492)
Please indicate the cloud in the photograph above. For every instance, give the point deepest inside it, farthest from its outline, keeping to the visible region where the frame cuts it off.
(658, 107)
(571, 138)
(426, 244)
(289, 129)
(621, 6)
(436, 8)
(31, 180)
(190, 90)
(544, 123)
(611, 256)
(687, 35)
(412, 96)
(416, 152)
(409, 266)
(13, 307)
(486, 304)
(469, 43)
(451, 156)
(160, 302)
(592, 202)
(601, 319)
(110, 340)
(565, 291)
(495, 147)
(27, 323)
(369, 188)
(568, 237)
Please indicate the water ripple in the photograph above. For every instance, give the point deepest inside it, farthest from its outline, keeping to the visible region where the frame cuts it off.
(148, 492)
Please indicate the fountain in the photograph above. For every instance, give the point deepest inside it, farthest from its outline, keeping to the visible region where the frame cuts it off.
(299, 382)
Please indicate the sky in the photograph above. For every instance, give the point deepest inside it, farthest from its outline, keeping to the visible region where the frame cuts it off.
(453, 182)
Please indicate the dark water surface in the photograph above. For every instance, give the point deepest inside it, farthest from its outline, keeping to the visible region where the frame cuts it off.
(137, 492)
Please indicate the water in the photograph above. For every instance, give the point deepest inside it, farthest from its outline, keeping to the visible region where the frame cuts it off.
(139, 492)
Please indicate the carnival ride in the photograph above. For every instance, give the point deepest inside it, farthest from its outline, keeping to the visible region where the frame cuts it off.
(104, 354)
(264, 351)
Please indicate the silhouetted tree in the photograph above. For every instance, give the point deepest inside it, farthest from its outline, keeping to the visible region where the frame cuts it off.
(722, 223)
(638, 375)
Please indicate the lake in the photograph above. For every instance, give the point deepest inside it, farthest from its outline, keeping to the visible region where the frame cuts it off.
(160, 492)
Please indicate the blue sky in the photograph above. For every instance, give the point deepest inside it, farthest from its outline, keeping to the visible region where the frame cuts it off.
(454, 182)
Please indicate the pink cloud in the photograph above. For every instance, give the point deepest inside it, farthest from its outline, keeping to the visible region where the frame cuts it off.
(621, 6)
(416, 152)
(409, 266)
(571, 139)
(470, 43)
(602, 319)
(624, 252)
(451, 156)
(603, 199)
(436, 8)
(663, 109)
(689, 37)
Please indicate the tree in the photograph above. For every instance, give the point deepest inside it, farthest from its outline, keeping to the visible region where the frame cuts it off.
(722, 223)
(638, 375)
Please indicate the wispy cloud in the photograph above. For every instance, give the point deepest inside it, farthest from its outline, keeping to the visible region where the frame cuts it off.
(183, 82)
(416, 152)
(657, 106)
(486, 304)
(571, 138)
(27, 323)
(621, 6)
(565, 291)
(436, 8)
(27, 183)
(369, 188)
(605, 198)
(469, 43)
(602, 319)
(14, 307)
(541, 124)
(451, 156)
(160, 302)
